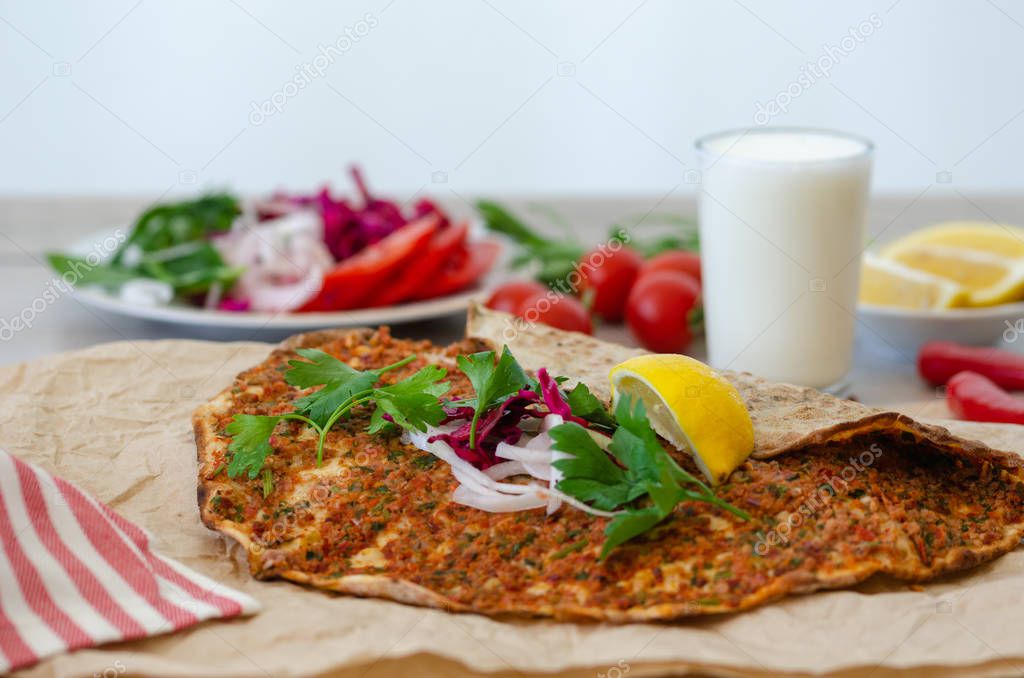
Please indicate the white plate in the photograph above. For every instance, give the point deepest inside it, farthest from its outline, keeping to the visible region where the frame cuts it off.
(180, 314)
(908, 329)
(195, 317)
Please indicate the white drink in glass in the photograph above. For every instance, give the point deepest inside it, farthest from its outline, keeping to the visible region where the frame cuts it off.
(782, 229)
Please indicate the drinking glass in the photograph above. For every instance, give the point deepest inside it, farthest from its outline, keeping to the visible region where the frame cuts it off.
(781, 215)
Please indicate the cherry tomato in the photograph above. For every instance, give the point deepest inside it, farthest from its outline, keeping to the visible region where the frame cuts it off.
(462, 271)
(556, 310)
(658, 310)
(351, 282)
(510, 296)
(674, 260)
(421, 270)
(608, 275)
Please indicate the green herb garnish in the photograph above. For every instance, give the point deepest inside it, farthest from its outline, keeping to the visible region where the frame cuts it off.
(638, 477)
(554, 259)
(412, 403)
(250, 441)
(341, 382)
(493, 382)
(170, 243)
(585, 405)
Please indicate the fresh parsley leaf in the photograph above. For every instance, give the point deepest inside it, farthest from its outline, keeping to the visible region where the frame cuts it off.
(167, 225)
(650, 486)
(625, 526)
(250, 443)
(170, 243)
(340, 382)
(589, 474)
(554, 258)
(413, 402)
(492, 382)
(636, 444)
(378, 424)
(585, 405)
(81, 272)
(190, 268)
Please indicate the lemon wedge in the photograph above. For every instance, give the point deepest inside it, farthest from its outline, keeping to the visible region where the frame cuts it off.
(981, 236)
(989, 279)
(887, 283)
(692, 407)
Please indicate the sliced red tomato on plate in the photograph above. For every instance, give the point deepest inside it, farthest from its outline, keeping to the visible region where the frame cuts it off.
(462, 271)
(351, 283)
(421, 268)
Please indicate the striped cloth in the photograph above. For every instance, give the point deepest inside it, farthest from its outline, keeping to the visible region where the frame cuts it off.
(73, 573)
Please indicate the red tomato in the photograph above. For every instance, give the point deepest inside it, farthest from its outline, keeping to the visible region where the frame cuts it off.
(510, 296)
(420, 270)
(658, 310)
(556, 310)
(462, 271)
(352, 281)
(674, 260)
(608, 275)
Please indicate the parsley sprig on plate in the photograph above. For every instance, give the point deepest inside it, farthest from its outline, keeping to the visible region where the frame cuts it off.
(635, 475)
(413, 402)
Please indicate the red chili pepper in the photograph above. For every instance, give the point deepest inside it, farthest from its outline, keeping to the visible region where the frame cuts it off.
(940, 360)
(975, 397)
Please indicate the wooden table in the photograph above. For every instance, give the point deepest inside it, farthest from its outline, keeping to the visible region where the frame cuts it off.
(31, 226)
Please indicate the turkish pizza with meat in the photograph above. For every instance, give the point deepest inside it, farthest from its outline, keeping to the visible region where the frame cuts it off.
(829, 502)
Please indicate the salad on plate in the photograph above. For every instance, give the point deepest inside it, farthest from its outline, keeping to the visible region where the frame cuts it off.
(289, 253)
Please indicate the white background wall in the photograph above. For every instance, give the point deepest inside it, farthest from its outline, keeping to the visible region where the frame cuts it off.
(149, 96)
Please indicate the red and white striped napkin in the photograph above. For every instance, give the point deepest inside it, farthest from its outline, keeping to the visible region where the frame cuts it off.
(73, 573)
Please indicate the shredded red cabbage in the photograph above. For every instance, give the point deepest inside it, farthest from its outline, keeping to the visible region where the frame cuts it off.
(235, 305)
(553, 398)
(499, 425)
(349, 228)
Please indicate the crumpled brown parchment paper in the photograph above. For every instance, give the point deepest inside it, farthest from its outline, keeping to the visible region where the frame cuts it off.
(115, 419)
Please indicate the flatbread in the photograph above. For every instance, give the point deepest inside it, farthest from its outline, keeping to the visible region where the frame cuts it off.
(377, 518)
(785, 417)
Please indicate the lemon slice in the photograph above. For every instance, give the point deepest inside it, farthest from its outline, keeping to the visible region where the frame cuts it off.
(988, 278)
(692, 407)
(886, 283)
(1001, 239)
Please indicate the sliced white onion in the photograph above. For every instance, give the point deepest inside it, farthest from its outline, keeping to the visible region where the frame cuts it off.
(483, 489)
(213, 296)
(555, 502)
(481, 482)
(497, 503)
(146, 292)
(523, 454)
(586, 508)
(465, 472)
(506, 469)
(285, 260)
(551, 421)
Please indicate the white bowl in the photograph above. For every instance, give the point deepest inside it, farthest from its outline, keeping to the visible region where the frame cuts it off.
(907, 329)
